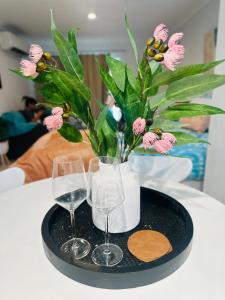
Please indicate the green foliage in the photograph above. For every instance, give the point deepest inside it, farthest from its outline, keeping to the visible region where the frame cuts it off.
(190, 110)
(52, 94)
(67, 52)
(111, 86)
(136, 95)
(167, 77)
(70, 133)
(67, 83)
(165, 125)
(72, 38)
(193, 86)
(131, 77)
(118, 70)
(185, 138)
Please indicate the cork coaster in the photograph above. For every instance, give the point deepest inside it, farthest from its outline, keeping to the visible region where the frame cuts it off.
(148, 245)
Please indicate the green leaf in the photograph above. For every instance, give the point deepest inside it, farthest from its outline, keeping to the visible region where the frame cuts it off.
(156, 67)
(79, 107)
(168, 77)
(70, 83)
(72, 38)
(61, 85)
(185, 138)
(131, 77)
(165, 125)
(20, 74)
(108, 139)
(157, 100)
(132, 111)
(111, 86)
(67, 53)
(52, 94)
(117, 69)
(193, 86)
(101, 118)
(190, 110)
(132, 40)
(70, 133)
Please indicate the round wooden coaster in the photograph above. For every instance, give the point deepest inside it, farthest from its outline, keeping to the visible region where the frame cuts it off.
(148, 245)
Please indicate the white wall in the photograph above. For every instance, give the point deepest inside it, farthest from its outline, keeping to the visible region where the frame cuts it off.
(13, 87)
(215, 172)
(194, 30)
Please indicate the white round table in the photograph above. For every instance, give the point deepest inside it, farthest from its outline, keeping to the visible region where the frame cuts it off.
(26, 273)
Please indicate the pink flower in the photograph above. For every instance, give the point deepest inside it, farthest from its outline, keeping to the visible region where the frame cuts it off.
(139, 126)
(149, 139)
(161, 32)
(175, 52)
(54, 122)
(36, 53)
(169, 137)
(176, 37)
(162, 146)
(28, 68)
(57, 111)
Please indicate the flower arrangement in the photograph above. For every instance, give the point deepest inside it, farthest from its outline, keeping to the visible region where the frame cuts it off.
(144, 117)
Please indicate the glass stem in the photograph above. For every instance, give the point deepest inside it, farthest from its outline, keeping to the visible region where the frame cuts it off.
(75, 245)
(107, 229)
(72, 218)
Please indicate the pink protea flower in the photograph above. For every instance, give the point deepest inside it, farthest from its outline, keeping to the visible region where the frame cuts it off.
(57, 111)
(169, 137)
(28, 68)
(36, 53)
(139, 126)
(162, 146)
(54, 122)
(175, 53)
(149, 139)
(161, 32)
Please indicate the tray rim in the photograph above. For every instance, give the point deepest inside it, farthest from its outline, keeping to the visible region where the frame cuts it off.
(117, 269)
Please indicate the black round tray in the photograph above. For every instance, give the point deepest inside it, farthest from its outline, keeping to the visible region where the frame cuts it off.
(158, 212)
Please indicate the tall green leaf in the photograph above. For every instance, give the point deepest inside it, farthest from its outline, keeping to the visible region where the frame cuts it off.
(72, 38)
(52, 94)
(193, 86)
(118, 70)
(132, 40)
(111, 86)
(190, 110)
(70, 83)
(70, 133)
(131, 77)
(167, 77)
(67, 54)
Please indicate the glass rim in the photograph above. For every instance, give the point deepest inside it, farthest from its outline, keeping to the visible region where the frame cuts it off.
(66, 160)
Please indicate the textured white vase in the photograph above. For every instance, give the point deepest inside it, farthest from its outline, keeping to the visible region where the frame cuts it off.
(126, 216)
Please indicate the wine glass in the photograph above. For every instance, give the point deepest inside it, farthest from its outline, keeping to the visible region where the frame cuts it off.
(105, 194)
(69, 187)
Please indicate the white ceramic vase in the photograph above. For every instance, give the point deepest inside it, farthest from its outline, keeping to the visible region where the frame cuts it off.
(126, 216)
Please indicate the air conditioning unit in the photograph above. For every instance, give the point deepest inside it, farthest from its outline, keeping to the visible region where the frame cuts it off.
(9, 41)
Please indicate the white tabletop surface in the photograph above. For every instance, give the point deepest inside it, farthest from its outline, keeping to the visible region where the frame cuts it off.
(26, 273)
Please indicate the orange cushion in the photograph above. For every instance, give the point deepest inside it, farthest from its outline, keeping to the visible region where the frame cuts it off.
(37, 161)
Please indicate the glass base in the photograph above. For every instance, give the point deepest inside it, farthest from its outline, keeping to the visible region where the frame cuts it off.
(78, 248)
(107, 255)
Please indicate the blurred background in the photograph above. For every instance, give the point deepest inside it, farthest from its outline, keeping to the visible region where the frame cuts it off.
(101, 30)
